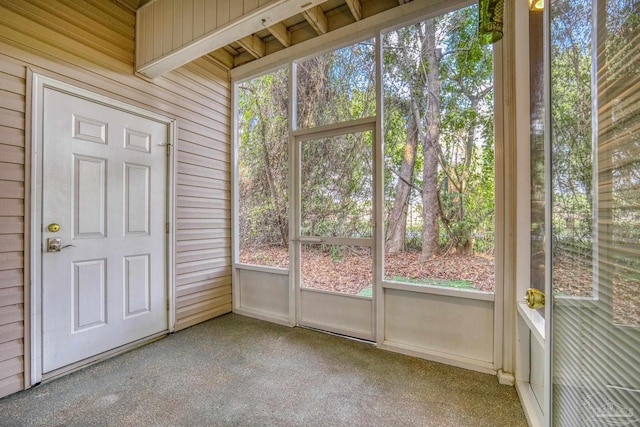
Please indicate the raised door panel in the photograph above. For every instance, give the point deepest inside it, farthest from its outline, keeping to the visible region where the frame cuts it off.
(89, 294)
(137, 201)
(89, 196)
(137, 285)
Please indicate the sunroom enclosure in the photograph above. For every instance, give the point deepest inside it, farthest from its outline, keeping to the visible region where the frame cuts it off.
(317, 241)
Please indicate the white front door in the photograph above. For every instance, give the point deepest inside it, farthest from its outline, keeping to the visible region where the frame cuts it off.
(104, 184)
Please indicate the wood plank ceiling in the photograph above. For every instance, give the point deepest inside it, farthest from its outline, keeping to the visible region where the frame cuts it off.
(316, 18)
(322, 19)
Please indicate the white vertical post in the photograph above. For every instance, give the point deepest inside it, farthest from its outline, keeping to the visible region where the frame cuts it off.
(235, 203)
(548, 223)
(294, 201)
(378, 201)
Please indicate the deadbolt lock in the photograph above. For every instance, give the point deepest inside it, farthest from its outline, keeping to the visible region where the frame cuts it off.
(534, 298)
(53, 227)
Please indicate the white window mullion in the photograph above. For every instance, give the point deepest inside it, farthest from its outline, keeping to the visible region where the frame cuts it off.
(294, 201)
(378, 200)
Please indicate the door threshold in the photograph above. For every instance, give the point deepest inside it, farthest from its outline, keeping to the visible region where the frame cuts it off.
(46, 377)
(324, 331)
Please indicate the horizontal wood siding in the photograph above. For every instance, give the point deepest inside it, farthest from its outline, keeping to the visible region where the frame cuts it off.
(91, 44)
(12, 178)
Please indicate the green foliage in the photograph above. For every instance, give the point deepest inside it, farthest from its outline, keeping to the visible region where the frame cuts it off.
(447, 283)
(336, 173)
(571, 129)
(337, 186)
(336, 86)
(263, 160)
(466, 136)
(336, 253)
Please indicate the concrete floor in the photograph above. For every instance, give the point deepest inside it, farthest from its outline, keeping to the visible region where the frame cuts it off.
(237, 371)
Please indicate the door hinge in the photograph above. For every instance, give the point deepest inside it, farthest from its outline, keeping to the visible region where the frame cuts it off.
(166, 227)
(167, 304)
(168, 150)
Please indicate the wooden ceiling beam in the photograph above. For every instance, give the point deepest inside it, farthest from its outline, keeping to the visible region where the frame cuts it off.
(223, 57)
(221, 33)
(242, 59)
(356, 8)
(317, 19)
(230, 50)
(367, 27)
(281, 33)
(253, 45)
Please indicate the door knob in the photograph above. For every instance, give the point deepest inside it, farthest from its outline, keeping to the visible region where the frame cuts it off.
(534, 298)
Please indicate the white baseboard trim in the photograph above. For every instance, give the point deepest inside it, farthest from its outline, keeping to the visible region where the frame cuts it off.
(532, 410)
(263, 315)
(440, 357)
(506, 378)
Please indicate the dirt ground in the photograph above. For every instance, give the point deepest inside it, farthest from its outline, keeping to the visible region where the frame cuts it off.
(350, 272)
(572, 277)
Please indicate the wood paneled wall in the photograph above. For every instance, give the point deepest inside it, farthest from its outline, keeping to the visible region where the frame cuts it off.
(91, 44)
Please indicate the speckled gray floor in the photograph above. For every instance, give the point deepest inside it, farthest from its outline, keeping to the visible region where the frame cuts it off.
(237, 371)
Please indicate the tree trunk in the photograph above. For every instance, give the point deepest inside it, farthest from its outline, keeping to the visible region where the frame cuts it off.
(397, 226)
(430, 141)
(273, 192)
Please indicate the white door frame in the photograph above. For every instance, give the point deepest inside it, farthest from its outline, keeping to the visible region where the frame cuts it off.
(39, 83)
(532, 328)
(297, 137)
